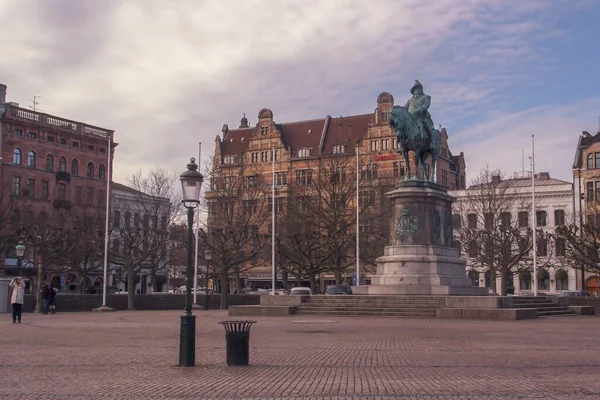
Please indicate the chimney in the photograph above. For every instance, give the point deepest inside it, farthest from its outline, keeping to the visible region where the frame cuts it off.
(496, 179)
(544, 176)
(2, 94)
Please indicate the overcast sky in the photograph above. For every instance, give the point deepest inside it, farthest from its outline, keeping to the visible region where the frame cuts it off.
(167, 74)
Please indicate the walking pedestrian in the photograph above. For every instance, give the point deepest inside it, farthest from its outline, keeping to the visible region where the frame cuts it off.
(18, 292)
(45, 298)
(52, 300)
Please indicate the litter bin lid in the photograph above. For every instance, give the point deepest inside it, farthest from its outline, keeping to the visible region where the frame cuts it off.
(237, 326)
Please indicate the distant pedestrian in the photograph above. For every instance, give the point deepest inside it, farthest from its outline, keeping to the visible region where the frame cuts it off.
(52, 300)
(45, 298)
(18, 292)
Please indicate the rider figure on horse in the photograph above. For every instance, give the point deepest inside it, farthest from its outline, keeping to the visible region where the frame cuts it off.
(417, 106)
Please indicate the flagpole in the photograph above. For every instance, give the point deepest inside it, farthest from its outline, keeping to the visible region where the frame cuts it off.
(357, 218)
(534, 219)
(106, 220)
(196, 236)
(273, 220)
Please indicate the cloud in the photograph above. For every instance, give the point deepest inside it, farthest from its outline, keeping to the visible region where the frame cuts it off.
(165, 75)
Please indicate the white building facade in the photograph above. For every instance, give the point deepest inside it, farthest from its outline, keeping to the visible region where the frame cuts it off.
(554, 207)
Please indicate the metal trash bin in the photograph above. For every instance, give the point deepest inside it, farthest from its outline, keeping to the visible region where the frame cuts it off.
(237, 339)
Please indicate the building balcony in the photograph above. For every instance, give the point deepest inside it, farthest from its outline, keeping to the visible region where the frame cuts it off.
(58, 203)
(63, 176)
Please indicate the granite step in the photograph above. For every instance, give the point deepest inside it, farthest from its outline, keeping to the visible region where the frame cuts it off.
(366, 309)
(369, 306)
(554, 313)
(373, 313)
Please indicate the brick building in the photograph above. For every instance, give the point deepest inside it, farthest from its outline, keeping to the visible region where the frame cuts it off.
(47, 164)
(246, 151)
(586, 182)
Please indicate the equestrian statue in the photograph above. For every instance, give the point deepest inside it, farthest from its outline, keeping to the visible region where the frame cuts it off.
(415, 131)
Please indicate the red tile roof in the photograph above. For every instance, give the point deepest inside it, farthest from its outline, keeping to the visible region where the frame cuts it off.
(346, 130)
(236, 141)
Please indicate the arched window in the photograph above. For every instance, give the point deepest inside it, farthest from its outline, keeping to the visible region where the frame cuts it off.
(49, 163)
(543, 278)
(31, 159)
(75, 167)
(102, 172)
(62, 164)
(456, 221)
(562, 279)
(489, 277)
(525, 280)
(590, 161)
(90, 170)
(474, 275)
(505, 219)
(17, 156)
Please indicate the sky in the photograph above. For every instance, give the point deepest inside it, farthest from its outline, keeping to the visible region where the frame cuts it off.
(165, 75)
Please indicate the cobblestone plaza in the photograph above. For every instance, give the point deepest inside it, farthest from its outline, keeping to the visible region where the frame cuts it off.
(133, 355)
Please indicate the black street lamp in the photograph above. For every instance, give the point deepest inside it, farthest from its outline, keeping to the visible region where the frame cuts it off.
(207, 257)
(20, 248)
(191, 183)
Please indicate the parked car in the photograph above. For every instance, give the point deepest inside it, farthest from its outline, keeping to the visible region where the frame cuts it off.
(278, 292)
(338, 290)
(300, 291)
(575, 293)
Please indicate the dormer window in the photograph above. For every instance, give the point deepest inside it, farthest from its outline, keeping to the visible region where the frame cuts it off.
(339, 149)
(229, 160)
(304, 152)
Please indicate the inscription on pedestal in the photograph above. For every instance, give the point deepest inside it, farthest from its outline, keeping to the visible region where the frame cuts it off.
(406, 226)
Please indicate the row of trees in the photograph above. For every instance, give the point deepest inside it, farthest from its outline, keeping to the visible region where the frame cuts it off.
(491, 236)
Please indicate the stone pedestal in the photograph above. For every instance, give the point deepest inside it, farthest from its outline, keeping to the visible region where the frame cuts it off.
(421, 259)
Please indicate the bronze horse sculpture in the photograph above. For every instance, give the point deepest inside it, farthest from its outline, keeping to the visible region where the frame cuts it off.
(410, 138)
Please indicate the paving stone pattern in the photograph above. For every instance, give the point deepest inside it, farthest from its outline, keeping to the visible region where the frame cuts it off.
(133, 355)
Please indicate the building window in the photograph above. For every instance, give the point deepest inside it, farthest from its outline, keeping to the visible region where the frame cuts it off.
(61, 191)
(523, 219)
(228, 160)
(384, 116)
(264, 130)
(49, 163)
(18, 132)
(369, 171)
(559, 217)
(75, 167)
(590, 161)
(127, 221)
(50, 138)
(102, 150)
(31, 159)
(264, 156)
(102, 172)
(444, 177)
(16, 185)
(303, 177)
(456, 222)
(75, 144)
(255, 157)
(280, 178)
(339, 149)
(560, 247)
(44, 193)
(136, 220)
(472, 221)
(250, 207)
(542, 247)
(228, 181)
(304, 152)
(250, 181)
(90, 147)
(101, 198)
(32, 135)
(541, 218)
(62, 164)
(89, 200)
(374, 145)
(505, 219)
(17, 156)
(62, 141)
(366, 198)
(562, 279)
(31, 187)
(488, 220)
(90, 170)
(543, 279)
(385, 144)
(278, 204)
(117, 219)
(590, 191)
(597, 160)
(275, 154)
(399, 169)
(78, 191)
(337, 175)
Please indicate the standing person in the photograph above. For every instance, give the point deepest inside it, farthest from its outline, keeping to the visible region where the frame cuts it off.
(45, 298)
(52, 300)
(18, 292)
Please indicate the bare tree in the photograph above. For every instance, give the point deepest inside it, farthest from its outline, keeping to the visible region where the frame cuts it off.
(140, 221)
(488, 230)
(235, 227)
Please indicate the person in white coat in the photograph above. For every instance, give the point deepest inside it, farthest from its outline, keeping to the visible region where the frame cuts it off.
(18, 292)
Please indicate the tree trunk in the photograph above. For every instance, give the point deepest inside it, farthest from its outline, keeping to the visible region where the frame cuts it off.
(238, 282)
(503, 287)
(284, 279)
(40, 280)
(224, 290)
(313, 283)
(130, 287)
(83, 284)
(338, 276)
(154, 283)
(493, 280)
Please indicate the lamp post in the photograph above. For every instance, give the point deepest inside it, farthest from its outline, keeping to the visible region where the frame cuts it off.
(20, 248)
(191, 183)
(207, 257)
